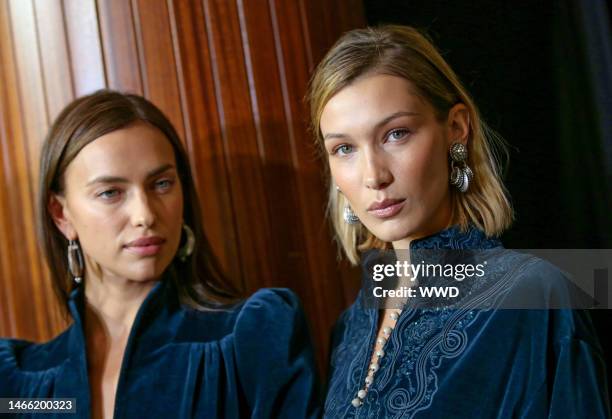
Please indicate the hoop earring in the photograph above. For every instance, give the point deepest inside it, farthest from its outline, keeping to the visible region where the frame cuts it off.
(461, 174)
(75, 261)
(187, 249)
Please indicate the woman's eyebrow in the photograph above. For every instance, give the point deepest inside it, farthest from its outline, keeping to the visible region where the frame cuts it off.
(331, 135)
(393, 116)
(117, 179)
(379, 124)
(160, 170)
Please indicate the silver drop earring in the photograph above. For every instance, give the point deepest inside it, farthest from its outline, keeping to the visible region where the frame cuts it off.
(461, 174)
(75, 261)
(187, 249)
(349, 216)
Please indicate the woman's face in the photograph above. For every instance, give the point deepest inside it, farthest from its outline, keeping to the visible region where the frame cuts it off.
(388, 154)
(124, 202)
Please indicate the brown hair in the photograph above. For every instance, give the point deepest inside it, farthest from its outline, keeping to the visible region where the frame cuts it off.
(404, 52)
(199, 280)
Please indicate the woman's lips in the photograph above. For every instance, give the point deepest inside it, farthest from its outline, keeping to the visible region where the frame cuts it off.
(387, 209)
(146, 246)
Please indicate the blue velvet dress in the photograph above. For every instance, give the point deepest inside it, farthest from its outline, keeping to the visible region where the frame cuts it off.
(255, 360)
(473, 363)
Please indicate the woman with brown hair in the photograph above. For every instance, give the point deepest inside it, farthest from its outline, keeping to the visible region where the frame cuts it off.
(412, 169)
(158, 331)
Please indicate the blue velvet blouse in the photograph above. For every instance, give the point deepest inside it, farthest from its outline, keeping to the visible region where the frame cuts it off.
(473, 363)
(254, 361)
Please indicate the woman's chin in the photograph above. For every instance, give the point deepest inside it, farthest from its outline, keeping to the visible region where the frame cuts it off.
(392, 231)
(144, 274)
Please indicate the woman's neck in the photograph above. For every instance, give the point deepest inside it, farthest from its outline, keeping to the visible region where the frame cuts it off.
(441, 221)
(112, 303)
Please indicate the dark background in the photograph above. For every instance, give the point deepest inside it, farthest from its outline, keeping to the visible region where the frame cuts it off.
(541, 73)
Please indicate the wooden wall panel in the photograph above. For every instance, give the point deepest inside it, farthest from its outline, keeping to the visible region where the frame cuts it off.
(157, 59)
(85, 45)
(23, 95)
(286, 246)
(203, 121)
(58, 89)
(30, 80)
(9, 193)
(54, 56)
(117, 34)
(242, 148)
(8, 180)
(231, 76)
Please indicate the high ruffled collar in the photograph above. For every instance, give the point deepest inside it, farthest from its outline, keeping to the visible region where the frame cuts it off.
(448, 246)
(453, 238)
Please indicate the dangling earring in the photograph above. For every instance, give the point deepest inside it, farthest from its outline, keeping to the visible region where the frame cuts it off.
(349, 216)
(75, 261)
(186, 251)
(461, 174)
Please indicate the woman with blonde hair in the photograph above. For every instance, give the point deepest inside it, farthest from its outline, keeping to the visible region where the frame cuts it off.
(157, 330)
(412, 168)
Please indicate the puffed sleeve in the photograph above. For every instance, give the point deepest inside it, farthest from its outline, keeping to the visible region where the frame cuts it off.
(275, 358)
(579, 388)
(8, 366)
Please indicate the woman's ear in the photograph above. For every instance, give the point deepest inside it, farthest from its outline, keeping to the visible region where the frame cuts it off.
(458, 124)
(61, 216)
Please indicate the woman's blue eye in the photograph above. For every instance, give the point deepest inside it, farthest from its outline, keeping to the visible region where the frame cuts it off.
(344, 149)
(108, 194)
(163, 184)
(397, 134)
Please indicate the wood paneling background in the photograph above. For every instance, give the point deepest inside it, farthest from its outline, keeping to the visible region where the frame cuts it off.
(231, 75)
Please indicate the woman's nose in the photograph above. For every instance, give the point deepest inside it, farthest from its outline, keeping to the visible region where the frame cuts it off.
(376, 172)
(141, 212)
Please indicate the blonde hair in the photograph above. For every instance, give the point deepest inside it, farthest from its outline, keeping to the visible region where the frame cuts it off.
(405, 52)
